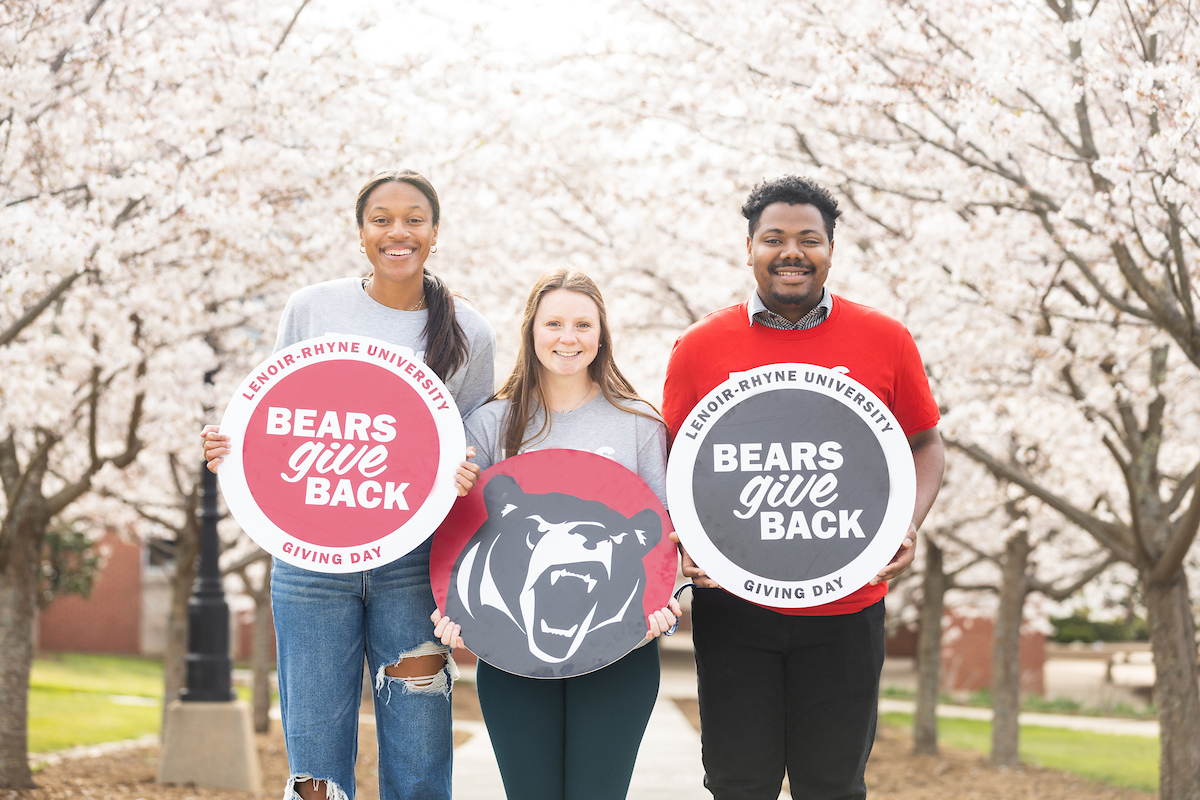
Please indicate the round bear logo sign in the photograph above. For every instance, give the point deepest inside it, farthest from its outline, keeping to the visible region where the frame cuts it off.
(552, 562)
(791, 485)
(344, 451)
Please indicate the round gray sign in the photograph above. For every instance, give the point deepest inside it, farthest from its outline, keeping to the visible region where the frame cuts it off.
(791, 485)
(805, 478)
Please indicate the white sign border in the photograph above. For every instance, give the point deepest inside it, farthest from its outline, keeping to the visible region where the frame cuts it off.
(393, 545)
(770, 592)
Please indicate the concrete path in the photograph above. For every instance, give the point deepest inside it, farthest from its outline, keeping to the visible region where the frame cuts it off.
(1128, 727)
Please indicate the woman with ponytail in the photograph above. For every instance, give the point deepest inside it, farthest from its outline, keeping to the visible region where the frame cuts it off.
(326, 623)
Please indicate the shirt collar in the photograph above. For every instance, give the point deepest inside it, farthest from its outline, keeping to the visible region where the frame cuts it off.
(755, 304)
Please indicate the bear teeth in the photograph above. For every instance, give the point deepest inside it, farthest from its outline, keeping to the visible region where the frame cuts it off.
(558, 631)
(562, 573)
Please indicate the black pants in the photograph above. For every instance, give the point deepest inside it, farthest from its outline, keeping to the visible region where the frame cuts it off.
(570, 738)
(785, 692)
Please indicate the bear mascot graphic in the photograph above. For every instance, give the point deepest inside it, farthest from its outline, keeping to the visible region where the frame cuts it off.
(551, 585)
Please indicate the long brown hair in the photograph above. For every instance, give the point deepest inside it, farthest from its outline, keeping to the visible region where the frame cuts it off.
(446, 346)
(523, 389)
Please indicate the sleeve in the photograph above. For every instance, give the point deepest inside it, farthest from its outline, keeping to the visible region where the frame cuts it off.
(289, 331)
(915, 407)
(679, 391)
(652, 455)
(479, 376)
(482, 436)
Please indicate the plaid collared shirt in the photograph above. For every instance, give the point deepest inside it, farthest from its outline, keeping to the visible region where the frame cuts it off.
(758, 312)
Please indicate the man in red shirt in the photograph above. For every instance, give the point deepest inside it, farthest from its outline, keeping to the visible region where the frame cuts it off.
(797, 689)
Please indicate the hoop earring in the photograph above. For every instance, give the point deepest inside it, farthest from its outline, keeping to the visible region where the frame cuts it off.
(433, 249)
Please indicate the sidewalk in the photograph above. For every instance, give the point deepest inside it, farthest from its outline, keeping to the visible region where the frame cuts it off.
(1115, 725)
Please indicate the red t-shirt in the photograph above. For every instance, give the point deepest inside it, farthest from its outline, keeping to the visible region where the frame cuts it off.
(871, 347)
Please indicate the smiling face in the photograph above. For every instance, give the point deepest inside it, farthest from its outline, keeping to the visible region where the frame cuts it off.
(566, 333)
(790, 253)
(397, 231)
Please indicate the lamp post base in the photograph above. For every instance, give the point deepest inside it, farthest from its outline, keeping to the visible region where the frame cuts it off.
(211, 745)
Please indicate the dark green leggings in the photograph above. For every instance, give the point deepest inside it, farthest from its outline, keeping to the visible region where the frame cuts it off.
(570, 738)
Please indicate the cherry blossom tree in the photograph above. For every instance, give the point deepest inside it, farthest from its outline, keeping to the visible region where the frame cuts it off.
(162, 185)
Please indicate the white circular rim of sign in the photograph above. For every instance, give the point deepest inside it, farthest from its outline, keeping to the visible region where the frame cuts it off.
(735, 578)
(392, 545)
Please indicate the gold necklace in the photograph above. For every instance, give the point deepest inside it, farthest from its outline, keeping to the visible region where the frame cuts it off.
(367, 283)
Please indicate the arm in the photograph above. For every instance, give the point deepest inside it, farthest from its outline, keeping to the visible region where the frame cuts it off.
(679, 392)
(679, 398)
(929, 461)
(479, 374)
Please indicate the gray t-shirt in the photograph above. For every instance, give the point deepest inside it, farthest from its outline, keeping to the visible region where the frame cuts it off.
(633, 441)
(343, 306)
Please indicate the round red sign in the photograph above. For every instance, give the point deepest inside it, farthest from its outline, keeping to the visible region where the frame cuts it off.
(344, 453)
(552, 563)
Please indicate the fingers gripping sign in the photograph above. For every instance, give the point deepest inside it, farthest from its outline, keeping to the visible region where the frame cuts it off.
(340, 454)
(792, 486)
(555, 564)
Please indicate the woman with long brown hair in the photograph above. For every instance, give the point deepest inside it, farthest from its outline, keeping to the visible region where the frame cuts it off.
(574, 737)
(326, 623)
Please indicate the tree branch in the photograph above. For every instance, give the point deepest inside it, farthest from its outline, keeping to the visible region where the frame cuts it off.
(1063, 592)
(1182, 536)
(1116, 537)
(14, 330)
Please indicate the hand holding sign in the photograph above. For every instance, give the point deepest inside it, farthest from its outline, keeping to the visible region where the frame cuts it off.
(340, 454)
(791, 485)
(550, 567)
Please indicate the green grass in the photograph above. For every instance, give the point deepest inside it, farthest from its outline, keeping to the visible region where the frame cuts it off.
(58, 720)
(76, 699)
(1129, 761)
(78, 672)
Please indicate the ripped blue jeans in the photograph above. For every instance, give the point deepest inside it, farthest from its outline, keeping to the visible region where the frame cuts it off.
(324, 623)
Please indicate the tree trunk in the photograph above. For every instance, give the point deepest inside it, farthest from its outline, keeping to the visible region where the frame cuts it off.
(1177, 687)
(929, 650)
(263, 658)
(20, 570)
(1006, 653)
(18, 599)
(187, 560)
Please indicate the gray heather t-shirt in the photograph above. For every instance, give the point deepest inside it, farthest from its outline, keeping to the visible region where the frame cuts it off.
(633, 441)
(343, 306)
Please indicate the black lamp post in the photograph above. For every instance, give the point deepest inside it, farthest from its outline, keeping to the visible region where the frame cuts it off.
(209, 667)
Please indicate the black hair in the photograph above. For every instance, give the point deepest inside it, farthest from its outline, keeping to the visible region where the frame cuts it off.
(795, 191)
(446, 347)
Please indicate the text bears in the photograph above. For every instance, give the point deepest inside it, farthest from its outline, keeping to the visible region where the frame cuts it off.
(349, 426)
(749, 457)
